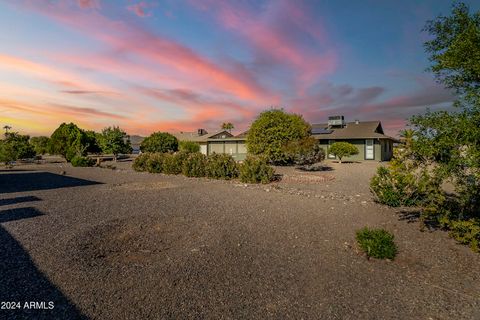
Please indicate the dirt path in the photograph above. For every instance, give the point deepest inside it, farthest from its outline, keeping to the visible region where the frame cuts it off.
(115, 244)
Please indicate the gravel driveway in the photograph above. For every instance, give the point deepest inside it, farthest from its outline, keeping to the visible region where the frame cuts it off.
(116, 244)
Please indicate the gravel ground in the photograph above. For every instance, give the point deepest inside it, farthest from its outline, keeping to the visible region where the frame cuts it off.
(116, 244)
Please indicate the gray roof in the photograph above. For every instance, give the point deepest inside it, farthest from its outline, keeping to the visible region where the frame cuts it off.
(353, 130)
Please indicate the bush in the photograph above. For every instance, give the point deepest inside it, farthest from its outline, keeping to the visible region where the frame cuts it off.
(140, 162)
(80, 161)
(194, 165)
(159, 142)
(377, 243)
(154, 162)
(221, 166)
(272, 130)
(256, 170)
(466, 232)
(305, 152)
(40, 144)
(188, 146)
(173, 163)
(342, 149)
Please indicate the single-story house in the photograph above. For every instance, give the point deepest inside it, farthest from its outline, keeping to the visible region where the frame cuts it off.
(367, 136)
(218, 142)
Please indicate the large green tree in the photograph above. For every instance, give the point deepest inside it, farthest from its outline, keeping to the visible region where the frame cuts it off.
(159, 142)
(68, 140)
(272, 130)
(14, 147)
(115, 141)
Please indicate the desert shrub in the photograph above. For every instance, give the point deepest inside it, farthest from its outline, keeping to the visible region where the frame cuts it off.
(377, 243)
(305, 152)
(81, 161)
(140, 162)
(221, 166)
(40, 144)
(342, 149)
(466, 232)
(159, 142)
(154, 162)
(256, 170)
(188, 146)
(194, 165)
(173, 163)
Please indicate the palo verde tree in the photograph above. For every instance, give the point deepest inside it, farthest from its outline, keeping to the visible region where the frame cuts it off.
(342, 149)
(115, 141)
(40, 144)
(272, 130)
(445, 146)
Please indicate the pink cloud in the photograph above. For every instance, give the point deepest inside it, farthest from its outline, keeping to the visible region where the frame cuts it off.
(139, 9)
(89, 4)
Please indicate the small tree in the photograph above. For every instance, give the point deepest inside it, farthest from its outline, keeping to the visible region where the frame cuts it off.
(115, 141)
(40, 144)
(272, 130)
(342, 149)
(227, 126)
(14, 147)
(159, 142)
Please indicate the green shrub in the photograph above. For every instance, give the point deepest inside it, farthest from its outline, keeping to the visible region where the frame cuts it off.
(140, 162)
(173, 163)
(221, 166)
(342, 149)
(159, 142)
(305, 152)
(194, 165)
(256, 170)
(466, 232)
(188, 146)
(377, 243)
(80, 161)
(155, 162)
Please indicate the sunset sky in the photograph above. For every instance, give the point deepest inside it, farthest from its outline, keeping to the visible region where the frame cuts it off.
(181, 65)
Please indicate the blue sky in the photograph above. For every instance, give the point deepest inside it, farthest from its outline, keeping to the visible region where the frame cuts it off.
(181, 65)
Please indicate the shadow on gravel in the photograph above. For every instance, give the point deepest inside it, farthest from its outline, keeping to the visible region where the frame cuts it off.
(32, 181)
(22, 282)
(19, 214)
(4, 202)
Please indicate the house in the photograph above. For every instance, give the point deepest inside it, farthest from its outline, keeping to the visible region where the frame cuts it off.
(367, 136)
(218, 142)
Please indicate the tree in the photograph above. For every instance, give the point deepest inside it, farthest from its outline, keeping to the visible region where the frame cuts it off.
(342, 149)
(14, 147)
(228, 126)
(115, 141)
(6, 128)
(189, 146)
(305, 152)
(40, 144)
(159, 142)
(272, 130)
(445, 147)
(68, 140)
(92, 140)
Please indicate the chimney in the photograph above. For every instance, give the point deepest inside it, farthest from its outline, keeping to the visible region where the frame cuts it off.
(357, 121)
